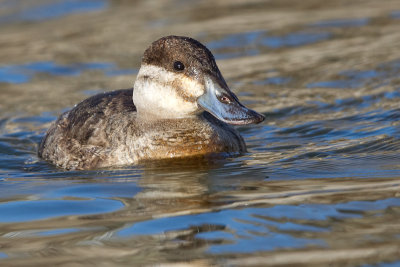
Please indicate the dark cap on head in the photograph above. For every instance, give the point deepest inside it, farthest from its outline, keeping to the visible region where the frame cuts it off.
(167, 50)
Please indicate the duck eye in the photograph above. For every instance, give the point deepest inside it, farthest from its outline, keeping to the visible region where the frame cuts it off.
(179, 66)
(224, 99)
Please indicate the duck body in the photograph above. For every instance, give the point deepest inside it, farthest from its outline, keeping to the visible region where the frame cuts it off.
(104, 130)
(180, 106)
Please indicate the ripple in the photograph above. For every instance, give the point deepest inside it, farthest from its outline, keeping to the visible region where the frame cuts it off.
(52, 10)
(25, 72)
(295, 39)
(58, 231)
(274, 81)
(311, 129)
(25, 211)
(238, 40)
(348, 79)
(258, 229)
(342, 23)
(98, 190)
(31, 233)
(381, 145)
(250, 43)
(243, 230)
(384, 264)
(395, 14)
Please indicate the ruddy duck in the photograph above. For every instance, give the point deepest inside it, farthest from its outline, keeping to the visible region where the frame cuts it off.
(180, 106)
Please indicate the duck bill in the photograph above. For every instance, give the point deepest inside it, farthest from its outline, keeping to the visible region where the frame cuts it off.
(225, 106)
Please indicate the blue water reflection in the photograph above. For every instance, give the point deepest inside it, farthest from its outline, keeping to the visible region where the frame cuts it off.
(236, 40)
(23, 73)
(295, 39)
(274, 81)
(228, 218)
(96, 190)
(256, 229)
(22, 211)
(233, 219)
(342, 23)
(249, 43)
(395, 14)
(245, 228)
(272, 241)
(54, 9)
(358, 78)
(383, 264)
(215, 235)
(349, 79)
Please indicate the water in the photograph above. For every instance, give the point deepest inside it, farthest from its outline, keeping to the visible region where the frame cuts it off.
(320, 182)
(22, 12)
(25, 72)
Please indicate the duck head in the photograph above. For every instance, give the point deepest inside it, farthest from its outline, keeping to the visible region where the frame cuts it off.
(179, 78)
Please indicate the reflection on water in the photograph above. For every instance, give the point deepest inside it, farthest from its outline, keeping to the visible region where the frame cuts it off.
(320, 182)
(342, 23)
(250, 43)
(49, 10)
(351, 79)
(395, 14)
(273, 81)
(22, 211)
(25, 72)
(356, 78)
(244, 230)
(295, 39)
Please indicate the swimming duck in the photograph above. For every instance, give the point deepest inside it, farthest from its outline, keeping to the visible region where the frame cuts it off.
(180, 106)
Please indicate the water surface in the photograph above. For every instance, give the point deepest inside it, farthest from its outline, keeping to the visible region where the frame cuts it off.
(320, 182)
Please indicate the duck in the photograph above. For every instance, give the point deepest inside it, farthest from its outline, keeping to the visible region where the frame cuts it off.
(179, 107)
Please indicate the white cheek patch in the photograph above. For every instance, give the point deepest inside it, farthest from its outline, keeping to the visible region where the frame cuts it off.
(165, 94)
(192, 87)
